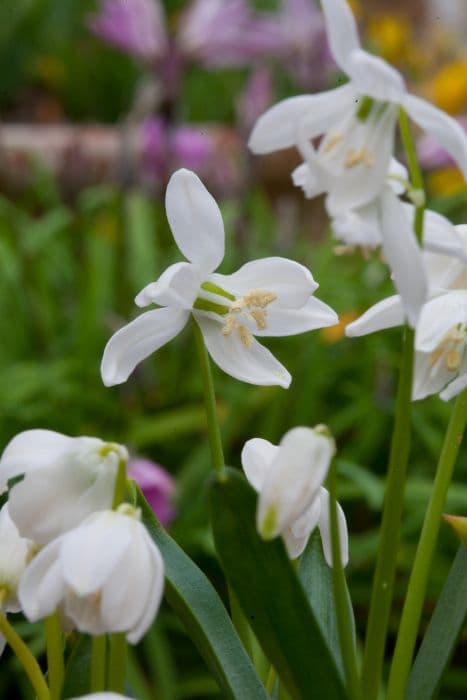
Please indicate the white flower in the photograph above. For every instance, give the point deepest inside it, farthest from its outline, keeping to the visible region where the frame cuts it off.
(106, 575)
(356, 122)
(268, 297)
(65, 479)
(292, 500)
(15, 552)
(103, 696)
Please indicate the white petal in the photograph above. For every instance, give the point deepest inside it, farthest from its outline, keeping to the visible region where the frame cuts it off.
(314, 314)
(293, 480)
(454, 388)
(387, 313)
(429, 377)
(325, 530)
(195, 220)
(397, 172)
(446, 130)
(308, 116)
(296, 536)
(404, 256)
(341, 31)
(353, 186)
(358, 227)
(138, 339)
(438, 316)
(257, 456)
(177, 287)
(440, 235)
(375, 78)
(291, 282)
(254, 364)
(155, 597)
(90, 553)
(31, 449)
(42, 585)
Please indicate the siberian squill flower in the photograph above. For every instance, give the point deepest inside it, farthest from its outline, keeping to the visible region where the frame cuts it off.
(267, 297)
(288, 478)
(105, 576)
(15, 552)
(441, 329)
(157, 485)
(356, 122)
(65, 479)
(134, 26)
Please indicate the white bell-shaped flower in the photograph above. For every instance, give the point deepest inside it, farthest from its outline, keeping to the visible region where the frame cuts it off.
(267, 297)
(288, 478)
(103, 696)
(15, 552)
(65, 480)
(105, 576)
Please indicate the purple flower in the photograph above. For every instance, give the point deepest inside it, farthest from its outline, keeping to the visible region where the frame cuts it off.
(134, 26)
(431, 154)
(255, 99)
(157, 485)
(154, 147)
(191, 148)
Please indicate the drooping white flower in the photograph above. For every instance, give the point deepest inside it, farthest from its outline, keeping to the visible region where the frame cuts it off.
(15, 552)
(103, 696)
(65, 479)
(356, 122)
(267, 297)
(106, 575)
(288, 478)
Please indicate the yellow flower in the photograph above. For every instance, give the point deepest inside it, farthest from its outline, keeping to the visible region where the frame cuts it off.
(446, 181)
(449, 87)
(390, 36)
(333, 334)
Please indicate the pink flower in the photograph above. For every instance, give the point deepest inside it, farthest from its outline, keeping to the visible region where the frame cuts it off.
(135, 26)
(157, 485)
(256, 98)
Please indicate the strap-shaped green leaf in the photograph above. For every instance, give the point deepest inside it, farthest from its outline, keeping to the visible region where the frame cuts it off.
(442, 633)
(316, 578)
(204, 616)
(271, 595)
(77, 670)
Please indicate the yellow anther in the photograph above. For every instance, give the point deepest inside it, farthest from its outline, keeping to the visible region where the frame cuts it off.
(453, 360)
(245, 336)
(356, 156)
(229, 326)
(259, 298)
(260, 318)
(333, 141)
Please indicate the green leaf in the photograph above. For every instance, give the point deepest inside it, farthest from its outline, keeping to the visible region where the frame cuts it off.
(271, 595)
(204, 616)
(442, 633)
(77, 674)
(316, 578)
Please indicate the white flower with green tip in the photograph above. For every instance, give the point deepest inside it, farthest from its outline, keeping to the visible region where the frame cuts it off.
(267, 297)
(356, 122)
(105, 576)
(65, 479)
(288, 478)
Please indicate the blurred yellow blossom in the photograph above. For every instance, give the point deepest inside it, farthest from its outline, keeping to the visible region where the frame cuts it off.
(449, 87)
(391, 37)
(459, 525)
(445, 181)
(333, 334)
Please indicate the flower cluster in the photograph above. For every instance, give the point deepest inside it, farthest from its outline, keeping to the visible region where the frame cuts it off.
(62, 546)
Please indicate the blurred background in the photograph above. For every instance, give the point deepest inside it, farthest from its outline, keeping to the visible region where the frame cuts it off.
(99, 102)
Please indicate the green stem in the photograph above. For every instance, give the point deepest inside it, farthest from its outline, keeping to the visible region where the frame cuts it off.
(271, 681)
(414, 169)
(214, 432)
(120, 484)
(98, 663)
(117, 663)
(413, 605)
(383, 581)
(27, 660)
(55, 663)
(346, 640)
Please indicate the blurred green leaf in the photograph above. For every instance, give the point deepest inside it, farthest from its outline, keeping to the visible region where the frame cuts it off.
(270, 594)
(204, 616)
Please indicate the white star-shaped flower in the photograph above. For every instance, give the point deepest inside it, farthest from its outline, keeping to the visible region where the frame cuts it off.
(267, 297)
